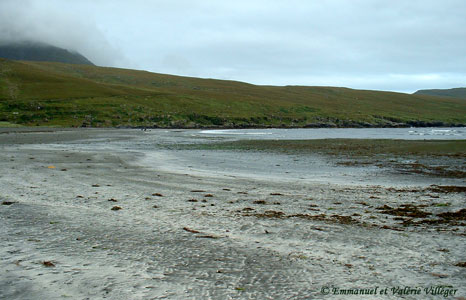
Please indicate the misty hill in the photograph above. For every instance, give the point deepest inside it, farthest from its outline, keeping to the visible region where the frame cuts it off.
(41, 52)
(56, 94)
(455, 93)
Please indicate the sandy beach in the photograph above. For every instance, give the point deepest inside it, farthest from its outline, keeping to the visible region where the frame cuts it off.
(102, 214)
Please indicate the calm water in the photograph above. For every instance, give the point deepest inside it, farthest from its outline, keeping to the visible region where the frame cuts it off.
(457, 133)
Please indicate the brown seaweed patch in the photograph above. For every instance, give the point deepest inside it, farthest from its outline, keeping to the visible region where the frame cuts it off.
(419, 168)
(48, 264)
(461, 264)
(447, 189)
(451, 218)
(270, 214)
(411, 222)
(260, 202)
(433, 188)
(404, 190)
(334, 219)
(321, 217)
(248, 209)
(405, 210)
(190, 230)
(459, 215)
(207, 236)
(344, 219)
(8, 202)
(392, 228)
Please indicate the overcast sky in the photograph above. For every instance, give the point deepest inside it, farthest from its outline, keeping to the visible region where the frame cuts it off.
(397, 45)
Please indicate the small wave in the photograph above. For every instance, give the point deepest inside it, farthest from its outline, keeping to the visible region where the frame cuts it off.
(233, 132)
(446, 132)
(258, 133)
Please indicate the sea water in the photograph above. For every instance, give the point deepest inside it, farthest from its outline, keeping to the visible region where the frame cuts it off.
(456, 133)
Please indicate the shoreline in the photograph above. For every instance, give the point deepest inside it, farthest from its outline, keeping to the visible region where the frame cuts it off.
(56, 128)
(413, 124)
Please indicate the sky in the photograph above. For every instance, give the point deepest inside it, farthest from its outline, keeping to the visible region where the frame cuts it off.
(393, 45)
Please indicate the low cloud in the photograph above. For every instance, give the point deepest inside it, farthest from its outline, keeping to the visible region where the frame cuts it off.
(50, 23)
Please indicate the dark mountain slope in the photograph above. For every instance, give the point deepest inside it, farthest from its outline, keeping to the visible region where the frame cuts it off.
(41, 52)
(454, 93)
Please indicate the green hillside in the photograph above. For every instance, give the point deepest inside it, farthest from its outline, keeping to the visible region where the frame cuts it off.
(56, 94)
(455, 93)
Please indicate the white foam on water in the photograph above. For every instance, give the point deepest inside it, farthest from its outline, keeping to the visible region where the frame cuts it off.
(233, 132)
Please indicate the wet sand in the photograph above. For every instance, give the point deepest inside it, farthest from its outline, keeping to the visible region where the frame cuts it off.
(93, 214)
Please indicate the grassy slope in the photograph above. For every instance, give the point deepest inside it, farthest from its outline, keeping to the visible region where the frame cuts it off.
(55, 94)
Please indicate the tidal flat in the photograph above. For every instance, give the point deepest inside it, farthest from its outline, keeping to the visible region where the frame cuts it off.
(182, 214)
(440, 158)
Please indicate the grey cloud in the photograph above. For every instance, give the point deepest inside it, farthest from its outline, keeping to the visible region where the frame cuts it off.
(375, 44)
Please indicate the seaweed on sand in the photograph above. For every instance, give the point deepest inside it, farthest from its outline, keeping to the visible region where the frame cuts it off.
(459, 215)
(272, 214)
(447, 189)
(451, 218)
(405, 210)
